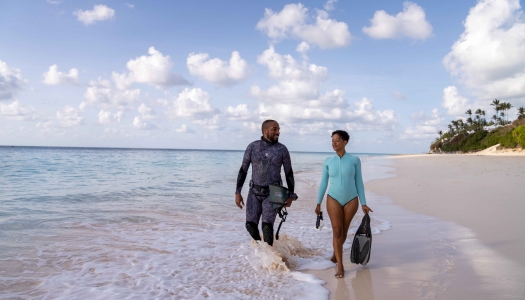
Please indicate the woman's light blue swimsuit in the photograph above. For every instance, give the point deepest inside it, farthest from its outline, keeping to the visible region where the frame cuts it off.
(346, 180)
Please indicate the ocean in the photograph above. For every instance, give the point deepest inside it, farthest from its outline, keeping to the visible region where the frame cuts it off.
(100, 223)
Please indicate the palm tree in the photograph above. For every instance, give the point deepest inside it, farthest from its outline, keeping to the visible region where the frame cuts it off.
(496, 105)
(440, 133)
(508, 106)
(521, 112)
(451, 129)
(484, 120)
(469, 112)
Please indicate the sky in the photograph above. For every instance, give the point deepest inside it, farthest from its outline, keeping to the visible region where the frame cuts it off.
(205, 74)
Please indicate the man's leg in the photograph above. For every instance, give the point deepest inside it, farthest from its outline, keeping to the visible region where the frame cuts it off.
(268, 218)
(253, 214)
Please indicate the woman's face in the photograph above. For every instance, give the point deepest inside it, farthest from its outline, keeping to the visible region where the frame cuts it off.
(337, 143)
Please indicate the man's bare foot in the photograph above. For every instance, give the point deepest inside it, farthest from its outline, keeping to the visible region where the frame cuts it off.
(340, 273)
(333, 259)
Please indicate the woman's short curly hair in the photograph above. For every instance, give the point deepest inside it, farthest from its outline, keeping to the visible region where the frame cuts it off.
(342, 134)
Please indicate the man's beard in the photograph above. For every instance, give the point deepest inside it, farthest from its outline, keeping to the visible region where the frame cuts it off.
(274, 138)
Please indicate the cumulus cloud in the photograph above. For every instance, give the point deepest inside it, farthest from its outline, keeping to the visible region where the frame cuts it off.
(297, 99)
(17, 111)
(399, 95)
(100, 12)
(425, 127)
(489, 56)
(455, 104)
(147, 112)
(218, 71)
(293, 22)
(154, 70)
(410, 23)
(184, 129)
(101, 93)
(11, 81)
(214, 123)
(193, 103)
(55, 77)
(106, 117)
(69, 116)
(240, 112)
(139, 123)
(329, 5)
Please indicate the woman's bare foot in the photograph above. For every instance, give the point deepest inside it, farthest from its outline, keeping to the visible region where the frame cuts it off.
(340, 273)
(333, 259)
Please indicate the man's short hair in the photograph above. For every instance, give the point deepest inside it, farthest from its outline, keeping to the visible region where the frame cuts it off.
(266, 124)
(342, 134)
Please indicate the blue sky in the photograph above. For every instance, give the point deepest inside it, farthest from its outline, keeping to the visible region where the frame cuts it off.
(204, 74)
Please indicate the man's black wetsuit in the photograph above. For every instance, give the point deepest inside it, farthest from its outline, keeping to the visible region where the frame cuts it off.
(266, 159)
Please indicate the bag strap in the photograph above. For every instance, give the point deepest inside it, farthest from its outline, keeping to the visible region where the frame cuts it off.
(282, 215)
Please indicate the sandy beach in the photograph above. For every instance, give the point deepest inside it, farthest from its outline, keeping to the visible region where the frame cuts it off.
(457, 231)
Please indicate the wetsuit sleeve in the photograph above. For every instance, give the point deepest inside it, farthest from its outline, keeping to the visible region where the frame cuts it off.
(359, 182)
(324, 183)
(288, 172)
(243, 171)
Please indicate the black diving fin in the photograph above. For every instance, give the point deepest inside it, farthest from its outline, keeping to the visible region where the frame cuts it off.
(362, 244)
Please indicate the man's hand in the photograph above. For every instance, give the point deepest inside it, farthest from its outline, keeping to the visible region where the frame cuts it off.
(239, 201)
(288, 202)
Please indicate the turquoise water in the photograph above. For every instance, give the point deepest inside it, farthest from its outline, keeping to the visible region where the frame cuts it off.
(119, 223)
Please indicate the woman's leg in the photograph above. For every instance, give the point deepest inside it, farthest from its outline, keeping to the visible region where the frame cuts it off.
(337, 218)
(349, 210)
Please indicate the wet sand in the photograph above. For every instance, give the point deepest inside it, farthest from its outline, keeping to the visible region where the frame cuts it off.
(457, 232)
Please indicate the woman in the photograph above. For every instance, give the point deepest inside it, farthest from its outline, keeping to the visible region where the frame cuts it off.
(346, 184)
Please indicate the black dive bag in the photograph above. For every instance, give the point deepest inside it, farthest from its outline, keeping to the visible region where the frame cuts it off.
(278, 196)
(362, 244)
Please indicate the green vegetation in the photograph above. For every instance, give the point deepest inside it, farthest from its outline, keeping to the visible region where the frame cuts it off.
(475, 134)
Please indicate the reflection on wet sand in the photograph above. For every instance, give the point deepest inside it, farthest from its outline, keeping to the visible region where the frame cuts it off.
(361, 285)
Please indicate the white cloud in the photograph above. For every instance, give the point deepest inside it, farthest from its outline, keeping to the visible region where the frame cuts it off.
(106, 117)
(101, 93)
(285, 67)
(54, 2)
(240, 112)
(303, 47)
(193, 103)
(366, 117)
(455, 104)
(11, 81)
(293, 22)
(411, 23)
(70, 116)
(130, 5)
(17, 111)
(214, 123)
(425, 127)
(55, 77)
(184, 129)
(329, 5)
(489, 56)
(139, 123)
(399, 95)
(100, 12)
(147, 112)
(154, 70)
(218, 71)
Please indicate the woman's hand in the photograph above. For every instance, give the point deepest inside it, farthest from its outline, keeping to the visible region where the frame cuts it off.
(366, 209)
(318, 209)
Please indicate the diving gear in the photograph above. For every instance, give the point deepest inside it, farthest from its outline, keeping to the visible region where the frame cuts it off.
(319, 222)
(362, 244)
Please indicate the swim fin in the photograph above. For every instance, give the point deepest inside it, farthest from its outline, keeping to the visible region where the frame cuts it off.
(362, 244)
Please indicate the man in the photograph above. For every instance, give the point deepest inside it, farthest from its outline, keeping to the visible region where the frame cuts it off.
(267, 156)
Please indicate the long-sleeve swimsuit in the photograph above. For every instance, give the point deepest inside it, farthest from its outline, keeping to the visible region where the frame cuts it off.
(346, 180)
(266, 159)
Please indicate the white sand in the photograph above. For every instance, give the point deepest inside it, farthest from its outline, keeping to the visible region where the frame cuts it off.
(458, 232)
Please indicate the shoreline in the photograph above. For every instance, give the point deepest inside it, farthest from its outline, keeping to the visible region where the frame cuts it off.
(428, 254)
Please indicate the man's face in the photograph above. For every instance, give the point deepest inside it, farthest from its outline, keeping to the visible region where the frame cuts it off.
(272, 132)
